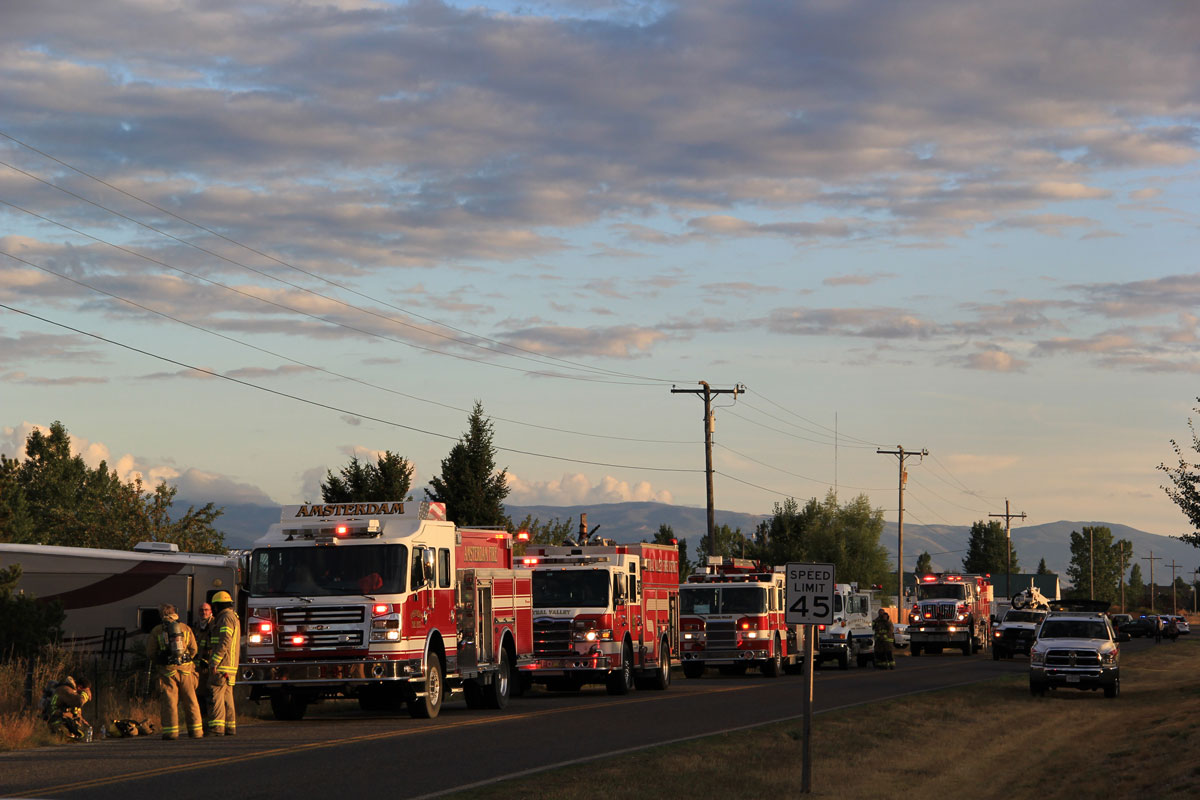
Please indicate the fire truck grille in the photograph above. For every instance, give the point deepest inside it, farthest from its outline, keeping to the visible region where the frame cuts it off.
(321, 615)
(323, 639)
(720, 635)
(1072, 658)
(940, 611)
(551, 636)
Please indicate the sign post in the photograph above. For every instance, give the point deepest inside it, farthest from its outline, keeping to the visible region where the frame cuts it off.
(809, 602)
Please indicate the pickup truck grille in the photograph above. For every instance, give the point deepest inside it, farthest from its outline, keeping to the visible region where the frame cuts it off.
(1073, 658)
(321, 615)
(551, 636)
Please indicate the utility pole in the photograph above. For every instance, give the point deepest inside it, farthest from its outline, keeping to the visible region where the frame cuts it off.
(707, 394)
(901, 454)
(1152, 558)
(1008, 518)
(1174, 599)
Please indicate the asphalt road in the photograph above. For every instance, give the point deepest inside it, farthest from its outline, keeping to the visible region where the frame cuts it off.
(338, 753)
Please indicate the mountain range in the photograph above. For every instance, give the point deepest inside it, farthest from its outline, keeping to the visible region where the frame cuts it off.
(946, 544)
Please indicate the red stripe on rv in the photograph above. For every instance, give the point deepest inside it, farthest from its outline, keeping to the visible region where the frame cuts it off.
(142, 576)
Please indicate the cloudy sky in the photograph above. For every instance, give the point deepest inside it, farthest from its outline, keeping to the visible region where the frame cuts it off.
(242, 241)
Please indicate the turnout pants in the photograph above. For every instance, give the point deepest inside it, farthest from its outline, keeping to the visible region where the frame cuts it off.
(173, 687)
(222, 717)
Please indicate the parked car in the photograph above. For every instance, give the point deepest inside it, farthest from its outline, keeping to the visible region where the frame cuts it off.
(1120, 619)
(1142, 626)
(900, 635)
(1182, 623)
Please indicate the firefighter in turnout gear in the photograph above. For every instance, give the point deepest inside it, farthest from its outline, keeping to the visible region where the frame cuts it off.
(64, 709)
(171, 647)
(884, 639)
(223, 645)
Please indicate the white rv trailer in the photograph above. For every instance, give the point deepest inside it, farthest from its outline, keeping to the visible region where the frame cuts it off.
(103, 591)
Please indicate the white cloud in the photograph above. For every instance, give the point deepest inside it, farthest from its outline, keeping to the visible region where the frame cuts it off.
(577, 489)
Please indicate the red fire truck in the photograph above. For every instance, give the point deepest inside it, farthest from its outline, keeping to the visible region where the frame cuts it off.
(951, 610)
(732, 617)
(603, 612)
(388, 603)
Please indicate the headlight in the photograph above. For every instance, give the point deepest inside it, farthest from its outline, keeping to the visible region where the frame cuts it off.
(1037, 657)
(1109, 659)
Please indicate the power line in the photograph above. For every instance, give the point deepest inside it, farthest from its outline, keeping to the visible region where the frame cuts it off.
(540, 358)
(317, 368)
(289, 265)
(315, 317)
(787, 472)
(327, 406)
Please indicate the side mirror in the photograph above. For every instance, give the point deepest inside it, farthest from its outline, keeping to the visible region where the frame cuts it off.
(428, 564)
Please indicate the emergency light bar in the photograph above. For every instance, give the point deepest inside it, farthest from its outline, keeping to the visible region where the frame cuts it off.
(369, 529)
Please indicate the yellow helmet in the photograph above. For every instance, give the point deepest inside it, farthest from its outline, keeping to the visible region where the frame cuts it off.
(221, 597)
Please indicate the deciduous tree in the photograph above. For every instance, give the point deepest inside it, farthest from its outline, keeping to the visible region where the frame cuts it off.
(1095, 556)
(1185, 486)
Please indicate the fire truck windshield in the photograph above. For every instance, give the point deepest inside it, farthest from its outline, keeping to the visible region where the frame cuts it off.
(722, 600)
(328, 571)
(941, 591)
(572, 588)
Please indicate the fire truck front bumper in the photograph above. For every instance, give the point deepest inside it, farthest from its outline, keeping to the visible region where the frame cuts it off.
(938, 634)
(328, 673)
(573, 663)
(724, 656)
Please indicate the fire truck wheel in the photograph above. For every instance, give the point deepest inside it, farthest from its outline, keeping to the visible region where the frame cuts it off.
(495, 694)
(968, 648)
(620, 681)
(660, 679)
(773, 666)
(287, 706)
(693, 669)
(844, 659)
(427, 707)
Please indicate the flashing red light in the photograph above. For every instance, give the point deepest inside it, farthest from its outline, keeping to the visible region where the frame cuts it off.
(675, 542)
(929, 577)
(821, 627)
(265, 627)
(522, 536)
(380, 608)
(298, 640)
(341, 530)
(745, 626)
(529, 561)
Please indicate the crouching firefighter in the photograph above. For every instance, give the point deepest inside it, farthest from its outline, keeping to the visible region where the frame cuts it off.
(223, 665)
(171, 647)
(884, 639)
(64, 708)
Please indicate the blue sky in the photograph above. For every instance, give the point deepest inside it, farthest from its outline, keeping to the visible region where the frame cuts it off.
(961, 226)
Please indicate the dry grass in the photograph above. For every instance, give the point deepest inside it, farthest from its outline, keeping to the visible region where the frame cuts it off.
(992, 740)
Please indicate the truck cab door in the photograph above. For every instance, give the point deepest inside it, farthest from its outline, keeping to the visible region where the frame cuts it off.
(419, 609)
(637, 620)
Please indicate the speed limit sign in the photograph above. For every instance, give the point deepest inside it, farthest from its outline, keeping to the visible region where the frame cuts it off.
(810, 590)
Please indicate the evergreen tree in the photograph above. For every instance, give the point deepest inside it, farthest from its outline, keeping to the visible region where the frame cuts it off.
(77, 506)
(987, 550)
(472, 492)
(924, 564)
(1094, 553)
(666, 535)
(1135, 589)
(25, 623)
(550, 532)
(389, 478)
(1042, 568)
